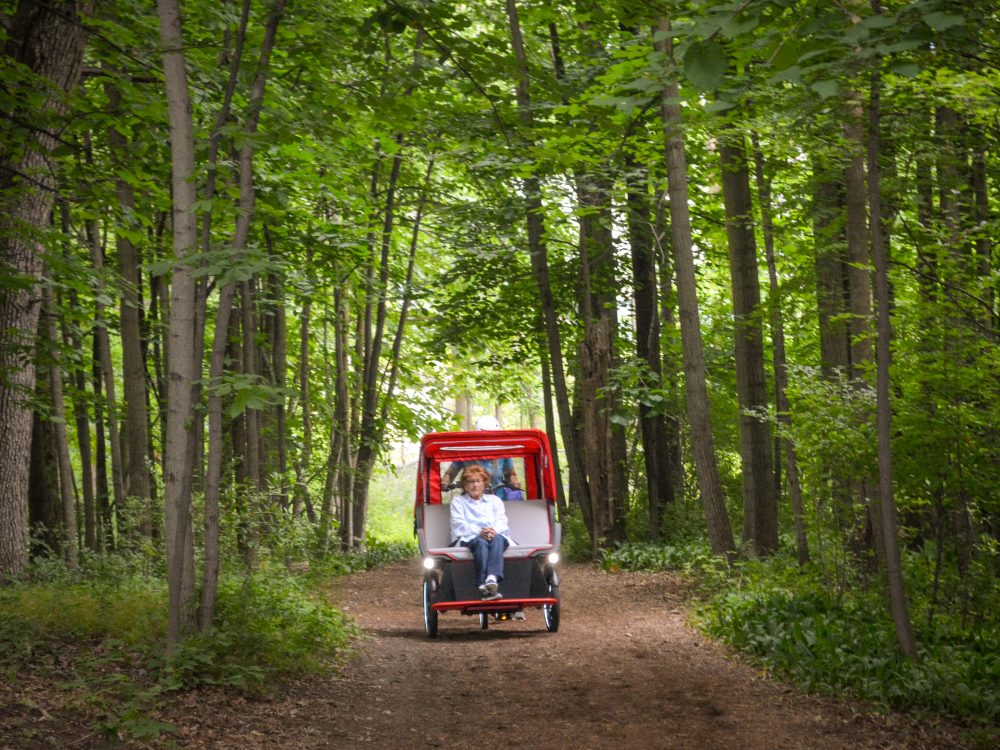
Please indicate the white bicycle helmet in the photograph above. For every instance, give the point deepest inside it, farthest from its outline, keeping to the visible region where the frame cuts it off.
(488, 423)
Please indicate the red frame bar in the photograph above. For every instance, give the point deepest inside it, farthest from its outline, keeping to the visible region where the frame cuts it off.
(475, 606)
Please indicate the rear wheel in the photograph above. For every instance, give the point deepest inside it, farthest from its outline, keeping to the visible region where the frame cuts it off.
(551, 611)
(430, 614)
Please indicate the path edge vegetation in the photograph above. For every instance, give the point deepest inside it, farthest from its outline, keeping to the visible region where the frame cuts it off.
(786, 619)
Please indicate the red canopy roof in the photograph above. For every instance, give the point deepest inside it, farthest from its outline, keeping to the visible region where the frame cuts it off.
(445, 447)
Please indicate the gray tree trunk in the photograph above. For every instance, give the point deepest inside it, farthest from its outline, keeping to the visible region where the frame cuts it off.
(719, 529)
(180, 361)
(102, 341)
(894, 567)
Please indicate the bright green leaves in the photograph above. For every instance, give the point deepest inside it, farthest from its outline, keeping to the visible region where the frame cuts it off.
(705, 65)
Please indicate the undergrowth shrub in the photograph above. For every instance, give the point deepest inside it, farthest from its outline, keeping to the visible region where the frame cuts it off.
(575, 544)
(847, 645)
(686, 557)
(265, 624)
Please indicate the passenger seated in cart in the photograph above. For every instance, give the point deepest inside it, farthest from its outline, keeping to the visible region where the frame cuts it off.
(503, 476)
(479, 522)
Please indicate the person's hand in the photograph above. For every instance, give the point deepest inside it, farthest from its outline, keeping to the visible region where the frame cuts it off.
(487, 533)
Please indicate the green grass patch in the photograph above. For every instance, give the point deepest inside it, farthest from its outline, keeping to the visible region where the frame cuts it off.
(99, 637)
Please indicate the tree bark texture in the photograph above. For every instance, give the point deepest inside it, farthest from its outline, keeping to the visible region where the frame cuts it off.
(652, 423)
(102, 343)
(719, 529)
(48, 39)
(859, 279)
(831, 271)
(894, 567)
(760, 503)
(181, 367)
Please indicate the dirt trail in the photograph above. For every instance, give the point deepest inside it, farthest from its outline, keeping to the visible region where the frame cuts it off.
(624, 671)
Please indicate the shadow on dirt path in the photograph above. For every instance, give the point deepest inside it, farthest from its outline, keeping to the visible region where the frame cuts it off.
(624, 671)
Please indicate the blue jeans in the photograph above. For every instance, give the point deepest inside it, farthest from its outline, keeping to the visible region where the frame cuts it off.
(487, 557)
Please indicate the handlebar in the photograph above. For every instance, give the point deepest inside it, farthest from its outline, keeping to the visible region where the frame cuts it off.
(491, 490)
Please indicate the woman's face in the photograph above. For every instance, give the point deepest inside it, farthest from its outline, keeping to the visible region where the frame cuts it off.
(474, 486)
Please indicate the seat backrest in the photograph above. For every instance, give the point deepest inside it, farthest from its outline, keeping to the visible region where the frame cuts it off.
(529, 524)
(529, 521)
(437, 527)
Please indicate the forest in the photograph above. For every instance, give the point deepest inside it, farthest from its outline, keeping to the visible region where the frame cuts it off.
(736, 258)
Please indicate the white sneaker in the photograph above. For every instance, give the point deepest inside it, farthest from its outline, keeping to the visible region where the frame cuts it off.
(489, 588)
(519, 615)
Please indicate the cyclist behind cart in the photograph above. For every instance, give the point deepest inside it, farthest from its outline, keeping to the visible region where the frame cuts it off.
(504, 482)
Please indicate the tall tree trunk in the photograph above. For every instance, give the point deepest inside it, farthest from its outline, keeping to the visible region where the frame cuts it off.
(71, 550)
(538, 251)
(279, 355)
(111, 515)
(831, 272)
(72, 341)
(550, 420)
(241, 233)
(181, 366)
(984, 242)
(45, 511)
(48, 39)
(103, 347)
(652, 423)
(82, 421)
(135, 428)
(859, 281)
(368, 448)
(670, 345)
(719, 529)
(780, 358)
(894, 567)
(340, 464)
(859, 285)
(603, 441)
(760, 503)
(303, 459)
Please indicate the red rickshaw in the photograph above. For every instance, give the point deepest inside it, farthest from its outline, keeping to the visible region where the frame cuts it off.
(530, 576)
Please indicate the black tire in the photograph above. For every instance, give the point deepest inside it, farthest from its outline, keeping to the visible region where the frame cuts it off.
(430, 614)
(484, 621)
(551, 611)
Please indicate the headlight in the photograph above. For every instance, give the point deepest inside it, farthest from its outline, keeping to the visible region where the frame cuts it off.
(429, 563)
(553, 558)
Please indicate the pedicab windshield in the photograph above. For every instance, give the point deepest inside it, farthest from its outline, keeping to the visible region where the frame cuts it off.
(528, 449)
